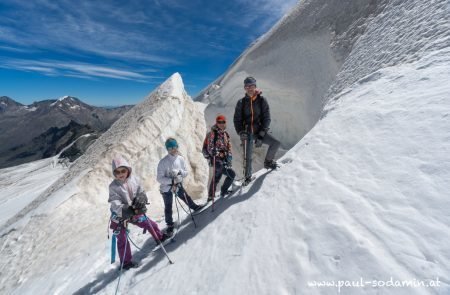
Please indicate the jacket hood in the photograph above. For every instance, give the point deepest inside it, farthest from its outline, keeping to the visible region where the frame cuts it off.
(119, 161)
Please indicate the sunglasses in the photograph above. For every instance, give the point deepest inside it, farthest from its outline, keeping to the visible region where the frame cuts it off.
(172, 148)
(221, 122)
(120, 171)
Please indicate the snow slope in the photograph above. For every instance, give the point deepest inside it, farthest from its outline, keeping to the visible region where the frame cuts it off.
(76, 205)
(360, 199)
(294, 64)
(20, 185)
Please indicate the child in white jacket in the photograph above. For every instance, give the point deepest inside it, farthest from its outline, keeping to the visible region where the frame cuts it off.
(128, 205)
(171, 171)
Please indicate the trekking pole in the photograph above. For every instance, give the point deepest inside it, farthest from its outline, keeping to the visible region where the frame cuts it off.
(155, 236)
(107, 228)
(123, 256)
(213, 183)
(187, 203)
(174, 194)
(244, 143)
(178, 212)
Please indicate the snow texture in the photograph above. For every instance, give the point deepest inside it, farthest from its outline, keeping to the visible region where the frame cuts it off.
(81, 194)
(294, 65)
(361, 197)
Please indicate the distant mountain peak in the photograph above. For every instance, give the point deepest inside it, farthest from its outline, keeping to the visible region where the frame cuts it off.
(68, 98)
(8, 100)
(8, 103)
(64, 98)
(67, 101)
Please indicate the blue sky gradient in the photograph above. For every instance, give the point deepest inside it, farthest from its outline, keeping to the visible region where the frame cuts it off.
(116, 52)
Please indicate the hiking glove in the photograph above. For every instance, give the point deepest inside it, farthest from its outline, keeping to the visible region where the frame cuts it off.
(174, 173)
(127, 212)
(261, 134)
(140, 201)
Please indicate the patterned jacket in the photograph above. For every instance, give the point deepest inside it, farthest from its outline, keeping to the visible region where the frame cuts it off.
(222, 147)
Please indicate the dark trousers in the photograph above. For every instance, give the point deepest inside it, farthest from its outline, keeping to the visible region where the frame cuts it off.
(220, 170)
(273, 143)
(168, 200)
(248, 151)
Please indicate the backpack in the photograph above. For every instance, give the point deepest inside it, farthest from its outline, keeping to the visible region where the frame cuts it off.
(205, 144)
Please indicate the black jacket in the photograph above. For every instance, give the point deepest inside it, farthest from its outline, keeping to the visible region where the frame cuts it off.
(243, 114)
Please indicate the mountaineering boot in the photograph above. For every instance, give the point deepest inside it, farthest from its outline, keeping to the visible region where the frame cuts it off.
(169, 230)
(165, 236)
(270, 164)
(247, 180)
(130, 264)
(225, 193)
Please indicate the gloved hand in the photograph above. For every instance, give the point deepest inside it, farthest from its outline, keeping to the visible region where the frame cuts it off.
(174, 173)
(261, 134)
(178, 179)
(243, 135)
(140, 201)
(259, 138)
(127, 212)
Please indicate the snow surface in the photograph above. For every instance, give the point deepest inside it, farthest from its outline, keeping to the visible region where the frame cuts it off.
(32, 109)
(294, 64)
(20, 185)
(67, 99)
(363, 196)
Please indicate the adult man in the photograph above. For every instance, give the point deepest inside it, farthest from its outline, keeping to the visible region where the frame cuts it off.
(252, 122)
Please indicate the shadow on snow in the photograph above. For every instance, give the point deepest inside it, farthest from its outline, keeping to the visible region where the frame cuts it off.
(187, 231)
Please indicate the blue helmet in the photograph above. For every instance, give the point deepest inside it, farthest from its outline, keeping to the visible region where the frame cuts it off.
(171, 143)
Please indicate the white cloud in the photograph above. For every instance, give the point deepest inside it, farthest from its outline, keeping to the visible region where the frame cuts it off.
(81, 70)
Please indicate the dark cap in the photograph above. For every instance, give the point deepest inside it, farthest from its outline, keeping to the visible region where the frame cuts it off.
(249, 81)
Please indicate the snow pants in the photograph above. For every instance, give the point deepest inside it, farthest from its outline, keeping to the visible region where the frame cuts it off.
(123, 245)
(219, 171)
(268, 139)
(168, 201)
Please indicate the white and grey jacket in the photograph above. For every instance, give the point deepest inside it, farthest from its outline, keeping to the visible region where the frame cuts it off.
(165, 166)
(122, 193)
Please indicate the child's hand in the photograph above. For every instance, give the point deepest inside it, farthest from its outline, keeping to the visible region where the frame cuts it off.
(174, 173)
(140, 201)
(127, 212)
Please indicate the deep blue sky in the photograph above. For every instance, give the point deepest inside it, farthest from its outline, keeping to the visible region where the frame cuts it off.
(116, 52)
